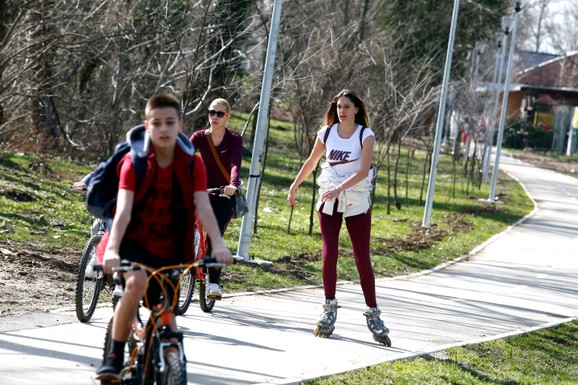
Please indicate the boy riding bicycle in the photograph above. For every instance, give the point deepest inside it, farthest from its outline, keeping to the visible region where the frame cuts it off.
(157, 230)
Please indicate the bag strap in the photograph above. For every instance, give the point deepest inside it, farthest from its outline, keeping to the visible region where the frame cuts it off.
(217, 159)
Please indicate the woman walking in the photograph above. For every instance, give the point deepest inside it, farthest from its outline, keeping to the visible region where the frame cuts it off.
(222, 152)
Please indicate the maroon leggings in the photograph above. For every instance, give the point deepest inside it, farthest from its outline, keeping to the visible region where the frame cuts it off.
(359, 229)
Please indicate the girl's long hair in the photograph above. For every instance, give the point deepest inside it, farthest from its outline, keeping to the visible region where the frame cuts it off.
(361, 117)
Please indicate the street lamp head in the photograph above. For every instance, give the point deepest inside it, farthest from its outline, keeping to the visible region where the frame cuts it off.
(480, 47)
(499, 39)
(507, 22)
(517, 4)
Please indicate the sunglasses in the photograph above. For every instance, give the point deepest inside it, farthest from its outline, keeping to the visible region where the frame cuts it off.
(219, 114)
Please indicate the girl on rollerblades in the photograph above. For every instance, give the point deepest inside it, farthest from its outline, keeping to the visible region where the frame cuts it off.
(345, 186)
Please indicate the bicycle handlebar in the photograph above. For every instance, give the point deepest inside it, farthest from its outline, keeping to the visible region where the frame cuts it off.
(220, 191)
(129, 266)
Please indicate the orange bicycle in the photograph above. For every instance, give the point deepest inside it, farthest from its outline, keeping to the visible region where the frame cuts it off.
(155, 351)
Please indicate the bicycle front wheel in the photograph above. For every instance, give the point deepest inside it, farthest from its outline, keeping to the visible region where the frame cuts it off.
(89, 282)
(175, 370)
(185, 292)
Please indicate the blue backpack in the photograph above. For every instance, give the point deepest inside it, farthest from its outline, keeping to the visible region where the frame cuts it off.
(103, 183)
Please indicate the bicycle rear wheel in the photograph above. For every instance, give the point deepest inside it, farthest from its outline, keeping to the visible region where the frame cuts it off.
(185, 292)
(206, 303)
(89, 282)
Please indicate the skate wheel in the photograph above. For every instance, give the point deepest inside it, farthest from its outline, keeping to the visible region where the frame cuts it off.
(321, 334)
(385, 340)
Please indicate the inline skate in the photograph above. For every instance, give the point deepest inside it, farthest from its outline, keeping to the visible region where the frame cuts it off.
(376, 326)
(325, 325)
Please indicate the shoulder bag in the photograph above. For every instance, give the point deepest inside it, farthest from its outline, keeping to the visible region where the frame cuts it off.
(241, 207)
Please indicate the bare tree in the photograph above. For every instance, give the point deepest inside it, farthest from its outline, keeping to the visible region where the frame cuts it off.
(78, 73)
(562, 29)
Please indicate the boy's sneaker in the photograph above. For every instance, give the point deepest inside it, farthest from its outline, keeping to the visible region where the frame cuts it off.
(110, 369)
(214, 291)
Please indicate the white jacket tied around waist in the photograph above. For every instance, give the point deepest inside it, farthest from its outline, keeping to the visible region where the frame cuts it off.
(353, 201)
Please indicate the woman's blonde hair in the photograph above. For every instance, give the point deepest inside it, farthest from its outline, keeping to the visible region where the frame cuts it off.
(222, 102)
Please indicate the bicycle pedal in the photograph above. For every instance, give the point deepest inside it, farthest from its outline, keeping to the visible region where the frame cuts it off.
(214, 297)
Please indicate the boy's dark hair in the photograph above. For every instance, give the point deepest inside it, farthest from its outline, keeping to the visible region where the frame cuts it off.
(163, 101)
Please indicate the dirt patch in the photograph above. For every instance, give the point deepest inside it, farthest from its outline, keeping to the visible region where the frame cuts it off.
(419, 238)
(17, 195)
(561, 166)
(31, 281)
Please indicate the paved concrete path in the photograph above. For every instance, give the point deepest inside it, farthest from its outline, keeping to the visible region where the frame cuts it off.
(521, 280)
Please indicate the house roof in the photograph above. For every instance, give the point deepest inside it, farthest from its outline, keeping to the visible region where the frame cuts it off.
(529, 59)
(558, 72)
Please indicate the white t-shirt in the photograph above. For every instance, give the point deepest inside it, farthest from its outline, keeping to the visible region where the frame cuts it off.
(344, 155)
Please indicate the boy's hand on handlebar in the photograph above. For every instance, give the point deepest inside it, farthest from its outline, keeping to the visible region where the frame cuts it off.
(110, 260)
(222, 255)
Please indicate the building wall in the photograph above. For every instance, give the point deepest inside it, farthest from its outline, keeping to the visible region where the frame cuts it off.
(514, 105)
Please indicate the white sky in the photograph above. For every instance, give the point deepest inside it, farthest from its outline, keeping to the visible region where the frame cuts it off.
(556, 11)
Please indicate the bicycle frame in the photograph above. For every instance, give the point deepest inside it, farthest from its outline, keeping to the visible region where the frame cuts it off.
(201, 273)
(201, 249)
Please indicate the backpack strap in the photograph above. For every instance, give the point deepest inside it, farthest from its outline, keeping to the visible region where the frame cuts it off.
(144, 180)
(361, 136)
(327, 134)
(140, 168)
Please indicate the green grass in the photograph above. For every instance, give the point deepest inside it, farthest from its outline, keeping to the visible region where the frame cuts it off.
(544, 357)
(36, 207)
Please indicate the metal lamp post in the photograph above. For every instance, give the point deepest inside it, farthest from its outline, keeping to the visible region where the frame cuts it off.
(479, 49)
(501, 40)
(517, 8)
(440, 119)
(258, 143)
